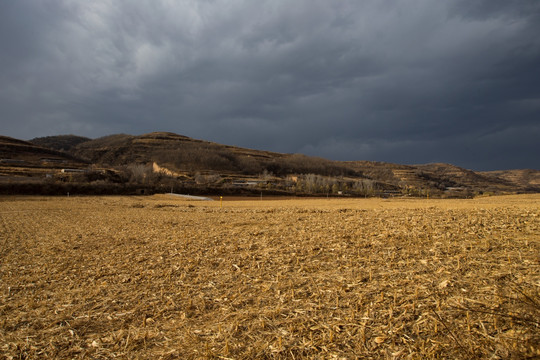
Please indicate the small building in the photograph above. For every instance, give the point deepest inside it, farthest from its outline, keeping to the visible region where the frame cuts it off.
(243, 183)
(52, 160)
(73, 171)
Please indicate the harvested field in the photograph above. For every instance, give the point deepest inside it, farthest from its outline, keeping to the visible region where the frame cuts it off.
(163, 277)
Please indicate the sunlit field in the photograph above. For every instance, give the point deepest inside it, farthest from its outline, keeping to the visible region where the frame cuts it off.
(164, 277)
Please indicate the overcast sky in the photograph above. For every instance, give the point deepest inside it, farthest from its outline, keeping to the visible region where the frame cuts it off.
(412, 81)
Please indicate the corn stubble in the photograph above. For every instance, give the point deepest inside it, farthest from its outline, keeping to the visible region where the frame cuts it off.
(157, 277)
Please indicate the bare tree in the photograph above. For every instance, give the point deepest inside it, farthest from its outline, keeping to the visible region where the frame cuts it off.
(139, 172)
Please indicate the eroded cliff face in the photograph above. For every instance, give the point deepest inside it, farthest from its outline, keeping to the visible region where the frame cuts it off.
(163, 170)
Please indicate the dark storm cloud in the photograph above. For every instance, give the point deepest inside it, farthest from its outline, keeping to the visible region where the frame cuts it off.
(409, 82)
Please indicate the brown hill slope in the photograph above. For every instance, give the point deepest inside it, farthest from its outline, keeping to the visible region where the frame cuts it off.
(437, 177)
(15, 150)
(183, 154)
(458, 178)
(190, 161)
(59, 142)
(20, 158)
(526, 178)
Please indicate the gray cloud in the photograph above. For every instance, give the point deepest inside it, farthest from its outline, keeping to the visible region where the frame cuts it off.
(409, 82)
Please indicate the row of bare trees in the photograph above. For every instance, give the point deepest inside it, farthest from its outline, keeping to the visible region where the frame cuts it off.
(308, 183)
(317, 184)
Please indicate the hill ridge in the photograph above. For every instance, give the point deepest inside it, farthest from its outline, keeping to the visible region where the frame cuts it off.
(204, 163)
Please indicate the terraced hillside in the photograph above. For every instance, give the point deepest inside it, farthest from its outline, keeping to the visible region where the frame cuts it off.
(526, 178)
(22, 159)
(159, 161)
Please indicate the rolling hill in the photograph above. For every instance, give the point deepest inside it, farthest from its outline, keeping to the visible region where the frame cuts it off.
(185, 154)
(526, 178)
(59, 142)
(168, 159)
(25, 160)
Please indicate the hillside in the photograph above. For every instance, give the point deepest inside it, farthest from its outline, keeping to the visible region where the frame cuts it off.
(185, 154)
(20, 158)
(59, 142)
(26, 168)
(162, 160)
(447, 178)
(526, 178)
